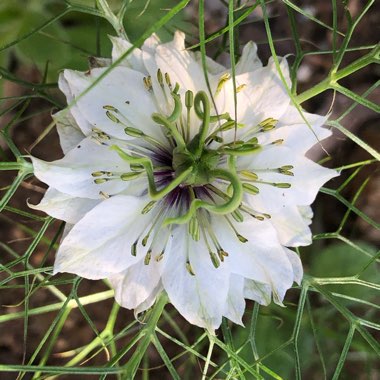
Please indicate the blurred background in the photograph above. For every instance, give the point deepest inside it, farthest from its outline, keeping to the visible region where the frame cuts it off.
(346, 241)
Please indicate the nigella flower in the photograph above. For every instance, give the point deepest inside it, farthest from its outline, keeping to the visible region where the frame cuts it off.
(169, 185)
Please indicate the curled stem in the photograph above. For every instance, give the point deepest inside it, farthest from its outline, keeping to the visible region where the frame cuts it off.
(204, 114)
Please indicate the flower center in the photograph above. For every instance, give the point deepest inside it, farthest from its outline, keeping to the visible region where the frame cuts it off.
(202, 166)
(192, 176)
(197, 177)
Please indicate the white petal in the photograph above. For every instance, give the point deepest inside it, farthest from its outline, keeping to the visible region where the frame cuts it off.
(261, 258)
(279, 270)
(306, 213)
(295, 132)
(68, 227)
(305, 184)
(200, 298)
(242, 259)
(212, 66)
(292, 229)
(162, 95)
(181, 66)
(72, 174)
(136, 284)
(68, 130)
(256, 291)
(212, 284)
(249, 61)
(63, 206)
(296, 264)
(134, 58)
(151, 43)
(64, 87)
(235, 304)
(293, 116)
(99, 245)
(174, 59)
(149, 301)
(84, 125)
(122, 88)
(263, 96)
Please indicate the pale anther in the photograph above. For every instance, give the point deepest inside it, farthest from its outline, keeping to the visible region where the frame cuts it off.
(189, 268)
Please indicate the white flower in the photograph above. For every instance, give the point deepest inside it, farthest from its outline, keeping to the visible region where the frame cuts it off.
(167, 186)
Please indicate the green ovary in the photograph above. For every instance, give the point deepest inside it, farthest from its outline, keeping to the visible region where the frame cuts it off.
(202, 167)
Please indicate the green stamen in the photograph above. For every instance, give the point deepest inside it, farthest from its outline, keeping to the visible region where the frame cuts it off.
(130, 176)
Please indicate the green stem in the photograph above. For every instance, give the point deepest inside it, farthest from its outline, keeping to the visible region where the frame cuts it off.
(53, 339)
(208, 358)
(23, 165)
(116, 22)
(103, 339)
(12, 189)
(334, 76)
(147, 335)
(86, 300)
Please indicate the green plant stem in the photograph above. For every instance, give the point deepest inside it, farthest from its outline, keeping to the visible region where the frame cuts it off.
(116, 22)
(208, 358)
(147, 334)
(16, 166)
(101, 340)
(86, 300)
(53, 340)
(335, 76)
